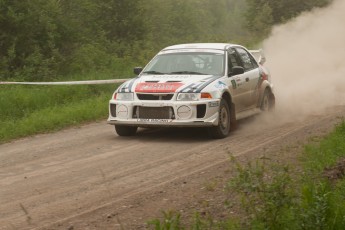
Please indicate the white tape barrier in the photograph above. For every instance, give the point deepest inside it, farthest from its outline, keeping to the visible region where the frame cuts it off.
(93, 82)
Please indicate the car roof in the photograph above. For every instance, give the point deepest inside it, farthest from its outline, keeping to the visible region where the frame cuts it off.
(217, 46)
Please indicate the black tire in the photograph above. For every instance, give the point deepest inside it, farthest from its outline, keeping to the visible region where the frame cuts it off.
(223, 128)
(125, 130)
(266, 102)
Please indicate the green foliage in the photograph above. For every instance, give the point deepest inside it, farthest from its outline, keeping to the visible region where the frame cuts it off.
(260, 23)
(47, 39)
(29, 38)
(316, 206)
(122, 20)
(266, 195)
(90, 58)
(171, 221)
(261, 15)
(194, 21)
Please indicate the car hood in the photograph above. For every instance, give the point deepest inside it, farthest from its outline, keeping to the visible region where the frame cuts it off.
(167, 83)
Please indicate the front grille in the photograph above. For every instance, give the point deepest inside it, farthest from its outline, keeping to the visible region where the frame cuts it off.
(164, 97)
(113, 110)
(153, 112)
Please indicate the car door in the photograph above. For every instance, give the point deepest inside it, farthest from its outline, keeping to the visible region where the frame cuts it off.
(251, 77)
(238, 87)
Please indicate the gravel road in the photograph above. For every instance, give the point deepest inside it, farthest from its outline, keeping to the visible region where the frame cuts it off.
(90, 178)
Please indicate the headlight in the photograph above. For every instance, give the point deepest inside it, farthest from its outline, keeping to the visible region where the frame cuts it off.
(124, 96)
(188, 96)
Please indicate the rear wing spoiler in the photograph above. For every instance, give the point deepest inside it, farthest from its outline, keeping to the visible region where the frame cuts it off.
(259, 56)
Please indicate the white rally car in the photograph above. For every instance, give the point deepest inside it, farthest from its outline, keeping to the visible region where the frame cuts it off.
(194, 85)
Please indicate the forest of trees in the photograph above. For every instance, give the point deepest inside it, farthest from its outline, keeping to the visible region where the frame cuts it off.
(47, 39)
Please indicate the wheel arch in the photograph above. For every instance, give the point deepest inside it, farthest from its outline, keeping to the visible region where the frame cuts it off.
(272, 98)
(227, 96)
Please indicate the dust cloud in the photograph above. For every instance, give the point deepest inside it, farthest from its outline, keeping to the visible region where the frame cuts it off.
(306, 57)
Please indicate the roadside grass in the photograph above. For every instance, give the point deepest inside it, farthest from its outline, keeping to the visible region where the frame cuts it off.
(302, 196)
(323, 188)
(28, 110)
(326, 152)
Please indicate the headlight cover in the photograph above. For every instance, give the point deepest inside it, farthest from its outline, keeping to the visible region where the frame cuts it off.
(188, 96)
(124, 96)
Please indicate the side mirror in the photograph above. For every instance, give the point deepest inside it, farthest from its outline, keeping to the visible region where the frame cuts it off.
(137, 70)
(236, 70)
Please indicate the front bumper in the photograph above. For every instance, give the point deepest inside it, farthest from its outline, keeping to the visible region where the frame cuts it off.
(125, 113)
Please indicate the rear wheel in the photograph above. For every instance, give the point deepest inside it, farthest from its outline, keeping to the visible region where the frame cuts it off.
(223, 128)
(125, 130)
(266, 102)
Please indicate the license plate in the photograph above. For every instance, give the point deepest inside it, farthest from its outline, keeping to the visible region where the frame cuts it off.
(154, 120)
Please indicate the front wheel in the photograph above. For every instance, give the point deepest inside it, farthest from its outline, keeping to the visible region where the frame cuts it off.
(125, 130)
(223, 128)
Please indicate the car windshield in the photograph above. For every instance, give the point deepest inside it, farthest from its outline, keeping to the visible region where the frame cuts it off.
(198, 63)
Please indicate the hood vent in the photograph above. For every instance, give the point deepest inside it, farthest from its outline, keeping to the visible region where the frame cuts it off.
(151, 81)
(173, 81)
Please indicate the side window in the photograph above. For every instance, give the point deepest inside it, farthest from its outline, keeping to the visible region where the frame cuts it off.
(247, 60)
(233, 59)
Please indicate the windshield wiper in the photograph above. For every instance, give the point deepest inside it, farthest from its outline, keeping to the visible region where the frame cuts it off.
(153, 72)
(187, 72)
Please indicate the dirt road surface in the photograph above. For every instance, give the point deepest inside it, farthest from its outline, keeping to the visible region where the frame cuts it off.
(90, 178)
